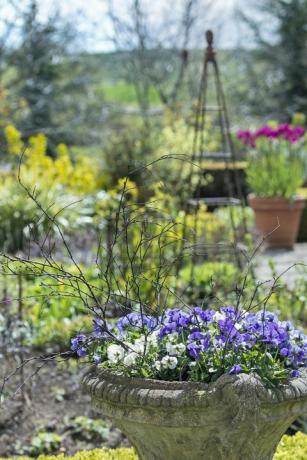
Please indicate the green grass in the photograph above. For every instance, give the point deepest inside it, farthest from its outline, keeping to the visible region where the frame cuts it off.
(121, 92)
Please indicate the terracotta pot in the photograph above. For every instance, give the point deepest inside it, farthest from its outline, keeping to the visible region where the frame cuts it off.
(270, 212)
(234, 418)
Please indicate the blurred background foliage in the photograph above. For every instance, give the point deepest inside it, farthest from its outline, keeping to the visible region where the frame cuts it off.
(81, 120)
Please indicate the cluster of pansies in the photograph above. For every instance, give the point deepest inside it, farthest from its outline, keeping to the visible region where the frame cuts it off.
(282, 131)
(198, 345)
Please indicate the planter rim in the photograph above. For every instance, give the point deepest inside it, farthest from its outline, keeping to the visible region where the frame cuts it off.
(280, 199)
(103, 384)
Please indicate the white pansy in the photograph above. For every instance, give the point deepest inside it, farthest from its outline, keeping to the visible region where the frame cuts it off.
(169, 362)
(153, 338)
(238, 326)
(170, 348)
(157, 365)
(173, 337)
(140, 345)
(115, 353)
(219, 316)
(211, 370)
(175, 349)
(180, 348)
(130, 358)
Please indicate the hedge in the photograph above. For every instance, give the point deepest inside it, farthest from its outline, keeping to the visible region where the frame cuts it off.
(290, 448)
(97, 454)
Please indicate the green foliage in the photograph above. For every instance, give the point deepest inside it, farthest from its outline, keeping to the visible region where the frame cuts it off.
(41, 45)
(291, 302)
(54, 317)
(59, 393)
(178, 173)
(275, 170)
(45, 443)
(154, 225)
(122, 92)
(21, 218)
(236, 217)
(208, 280)
(89, 429)
(282, 59)
(18, 216)
(50, 318)
(126, 153)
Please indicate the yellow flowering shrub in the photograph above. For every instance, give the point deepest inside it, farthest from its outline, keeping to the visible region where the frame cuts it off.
(97, 454)
(13, 137)
(292, 448)
(178, 137)
(80, 176)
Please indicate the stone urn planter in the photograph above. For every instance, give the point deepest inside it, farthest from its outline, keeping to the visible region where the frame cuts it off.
(270, 211)
(235, 418)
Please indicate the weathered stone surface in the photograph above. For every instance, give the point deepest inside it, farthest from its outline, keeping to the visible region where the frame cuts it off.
(235, 418)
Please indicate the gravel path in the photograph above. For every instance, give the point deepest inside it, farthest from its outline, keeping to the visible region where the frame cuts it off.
(283, 259)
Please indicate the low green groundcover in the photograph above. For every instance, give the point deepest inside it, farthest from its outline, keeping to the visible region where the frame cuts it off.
(290, 448)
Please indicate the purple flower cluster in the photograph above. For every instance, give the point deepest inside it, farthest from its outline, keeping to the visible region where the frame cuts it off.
(198, 342)
(78, 345)
(208, 330)
(136, 320)
(177, 320)
(226, 340)
(278, 336)
(282, 131)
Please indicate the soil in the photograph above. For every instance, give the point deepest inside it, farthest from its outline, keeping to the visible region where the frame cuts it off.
(49, 402)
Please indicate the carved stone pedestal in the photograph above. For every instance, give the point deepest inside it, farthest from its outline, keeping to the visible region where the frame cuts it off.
(235, 418)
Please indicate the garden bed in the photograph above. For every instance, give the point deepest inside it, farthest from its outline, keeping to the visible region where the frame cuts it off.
(53, 410)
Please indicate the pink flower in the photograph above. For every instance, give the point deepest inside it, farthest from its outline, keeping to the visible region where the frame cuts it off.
(282, 131)
(246, 137)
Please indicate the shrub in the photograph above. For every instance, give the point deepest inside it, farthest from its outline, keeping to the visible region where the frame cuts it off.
(126, 153)
(97, 454)
(292, 448)
(210, 279)
(21, 218)
(79, 176)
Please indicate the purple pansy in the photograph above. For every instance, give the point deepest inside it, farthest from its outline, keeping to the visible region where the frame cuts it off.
(136, 320)
(78, 344)
(236, 369)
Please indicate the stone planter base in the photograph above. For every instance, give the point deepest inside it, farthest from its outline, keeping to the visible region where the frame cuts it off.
(235, 418)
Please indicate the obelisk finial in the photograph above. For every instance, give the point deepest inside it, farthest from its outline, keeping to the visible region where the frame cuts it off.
(210, 53)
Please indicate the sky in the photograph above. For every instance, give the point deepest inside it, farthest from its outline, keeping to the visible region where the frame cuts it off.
(91, 18)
